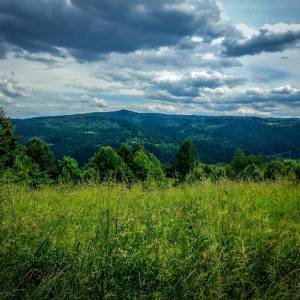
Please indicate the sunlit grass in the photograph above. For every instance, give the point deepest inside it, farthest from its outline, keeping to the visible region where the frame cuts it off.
(208, 241)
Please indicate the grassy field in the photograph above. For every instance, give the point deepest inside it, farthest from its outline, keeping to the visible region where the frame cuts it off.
(208, 241)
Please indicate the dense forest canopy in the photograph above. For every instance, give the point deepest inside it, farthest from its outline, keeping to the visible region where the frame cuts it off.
(34, 162)
(215, 138)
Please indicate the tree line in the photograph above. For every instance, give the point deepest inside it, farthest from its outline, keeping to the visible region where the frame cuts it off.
(34, 163)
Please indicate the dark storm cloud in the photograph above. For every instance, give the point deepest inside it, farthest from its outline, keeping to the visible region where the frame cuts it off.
(3, 48)
(91, 28)
(265, 41)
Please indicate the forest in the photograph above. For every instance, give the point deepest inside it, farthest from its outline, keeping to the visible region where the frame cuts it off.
(215, 138)
(35, 163)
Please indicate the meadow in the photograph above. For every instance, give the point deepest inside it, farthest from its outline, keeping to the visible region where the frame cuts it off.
(225, 240)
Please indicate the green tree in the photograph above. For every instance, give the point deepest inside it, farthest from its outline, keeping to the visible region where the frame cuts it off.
(109, 165)
(28, 172)
(68, 170)
(157, 170)
(186, 158)
(147, 166)
(39, 151)
(126, 154)
(136, 147)
(239, 161)
(247, 166)
(8, 141)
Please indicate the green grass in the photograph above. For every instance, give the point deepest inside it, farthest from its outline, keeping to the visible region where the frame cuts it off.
(209, 241)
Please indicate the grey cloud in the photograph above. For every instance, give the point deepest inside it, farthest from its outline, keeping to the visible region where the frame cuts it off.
(265, 41)
(12, 89)
(3, 48)
(90, 28)
(49, 61)
(191, 85)
(225, 100)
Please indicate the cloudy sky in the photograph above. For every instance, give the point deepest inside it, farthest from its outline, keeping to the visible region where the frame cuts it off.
(207, 57)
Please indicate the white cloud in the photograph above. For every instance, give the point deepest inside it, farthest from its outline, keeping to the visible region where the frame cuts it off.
(247, 31)
(281, 27)
(160, 107)
(100, 102)
(93, 101)
(248, 111)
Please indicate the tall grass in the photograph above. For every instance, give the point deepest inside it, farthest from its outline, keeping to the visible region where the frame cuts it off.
(224, 240)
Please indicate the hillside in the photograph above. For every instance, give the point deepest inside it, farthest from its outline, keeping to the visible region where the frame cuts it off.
(215, 137)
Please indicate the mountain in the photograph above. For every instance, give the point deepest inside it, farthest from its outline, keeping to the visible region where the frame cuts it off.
(215, 138)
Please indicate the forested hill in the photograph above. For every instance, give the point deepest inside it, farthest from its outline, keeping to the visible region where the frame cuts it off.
(214, 137)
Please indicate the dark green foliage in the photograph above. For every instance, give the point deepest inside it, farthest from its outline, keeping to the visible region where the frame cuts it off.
(8, 142)
(186, 158)
(215, 138)
(68, 170)
(34, 163)
(297, 172)
(24, 171)
(136, 147)
(126, 154)
(40, 153)
(146, 166)
(247, 166)
(110, 166)
(275, 169)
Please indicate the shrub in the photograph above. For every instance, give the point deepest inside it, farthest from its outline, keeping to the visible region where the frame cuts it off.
(246, 166)
(197, 174)
(24, 171)
(146, 166)
(274, 170)
(110, 166)
(68, 170)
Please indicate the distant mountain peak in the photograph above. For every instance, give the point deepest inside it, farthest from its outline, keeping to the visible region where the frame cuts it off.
(124, 111)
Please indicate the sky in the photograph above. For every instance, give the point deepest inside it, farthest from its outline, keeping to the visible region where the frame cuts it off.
(204, 57)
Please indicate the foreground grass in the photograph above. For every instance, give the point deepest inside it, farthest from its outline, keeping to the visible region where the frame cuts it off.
(209, 241)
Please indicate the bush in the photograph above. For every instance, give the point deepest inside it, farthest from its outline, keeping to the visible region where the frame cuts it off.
(253, 172)
(274, 170)
(68, 170)
(246, 166)
(110, 166)
(24, 171)
(198, 174)
(146, 166)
